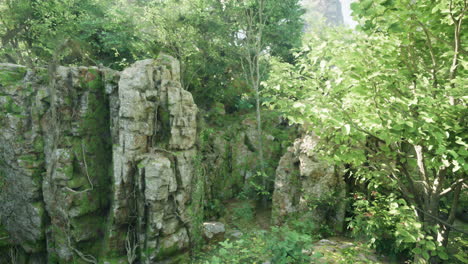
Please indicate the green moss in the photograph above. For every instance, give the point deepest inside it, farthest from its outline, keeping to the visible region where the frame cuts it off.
(2, 175)
(86, 226)
(90, 247)
(66, 170)
(92, 148)
(146, 253)
(165, 253)
(60, 238)
(113, 246)
(11, 76)
(77, 181)
(43, 76)
(96, 83)
(12, 107)
(181, 258)
(38, 175)
(28, 157)
(94, 142)
(36, 246)
(86, 204)
(4, 237)
(114, 260)
(30, 161)
(164, 120)
(52, 257)
(38, 144)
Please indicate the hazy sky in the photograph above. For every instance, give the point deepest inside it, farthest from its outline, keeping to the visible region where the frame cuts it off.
(346, 9)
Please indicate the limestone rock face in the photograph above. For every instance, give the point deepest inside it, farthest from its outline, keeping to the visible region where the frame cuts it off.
(22, 162)
(95, 164)
(78, 156)
(156, 119)
(306, 185)
(232, 155)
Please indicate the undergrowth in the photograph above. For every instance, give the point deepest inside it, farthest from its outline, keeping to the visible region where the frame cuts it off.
(282, 245)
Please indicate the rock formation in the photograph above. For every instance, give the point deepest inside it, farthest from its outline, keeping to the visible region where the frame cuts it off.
(96, 165)
(100, 166)
(308, 187)
(231, 155)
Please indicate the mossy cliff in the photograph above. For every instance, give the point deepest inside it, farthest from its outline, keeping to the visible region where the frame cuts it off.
(95, 165)
(100, 166)
(229, 146)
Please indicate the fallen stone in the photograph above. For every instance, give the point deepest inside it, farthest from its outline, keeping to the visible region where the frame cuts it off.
(213, 230)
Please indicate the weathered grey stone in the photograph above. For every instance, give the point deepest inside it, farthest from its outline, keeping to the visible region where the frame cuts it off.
(174, 243)
(58, 141)
(156, 117)
(231, 155)
(213, 229)
(235, 234)
(76, 185)
(183, 113)
(185, 167)
(303, 179)
(159, 178)
(21, 162)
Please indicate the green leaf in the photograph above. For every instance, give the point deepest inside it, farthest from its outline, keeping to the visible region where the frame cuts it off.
(430, 245)
(443, 255)
(425, 255)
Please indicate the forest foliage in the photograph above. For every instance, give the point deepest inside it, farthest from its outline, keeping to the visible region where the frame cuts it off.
(206, 36)
(388, 98)
(390, 102)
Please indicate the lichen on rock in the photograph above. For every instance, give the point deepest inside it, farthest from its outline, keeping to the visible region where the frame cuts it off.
(307, 186)
(94, 161)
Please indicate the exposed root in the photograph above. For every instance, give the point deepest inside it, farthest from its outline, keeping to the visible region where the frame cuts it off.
(131, 246)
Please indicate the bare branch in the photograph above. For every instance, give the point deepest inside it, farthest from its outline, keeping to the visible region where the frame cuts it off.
(457, 45)
(441, 221)
(421, 166)
(451, 218)
(131, 247)
(453, 186)
(414, 190)
(439, 180)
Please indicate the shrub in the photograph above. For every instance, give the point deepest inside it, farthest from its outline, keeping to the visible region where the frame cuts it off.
(391, 227)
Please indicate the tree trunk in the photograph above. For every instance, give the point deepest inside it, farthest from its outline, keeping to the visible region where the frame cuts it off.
(260, 142)
(451, 218)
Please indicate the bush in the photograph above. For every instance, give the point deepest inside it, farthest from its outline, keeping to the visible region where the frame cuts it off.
(287, 246)
(244, 213)
(249, 249)
(280, 246)
(391, 227)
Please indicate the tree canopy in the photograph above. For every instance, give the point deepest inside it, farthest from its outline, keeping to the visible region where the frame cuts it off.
(205, 35)
(390, 102)
(388, 98)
